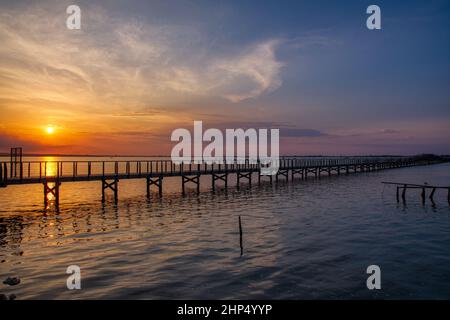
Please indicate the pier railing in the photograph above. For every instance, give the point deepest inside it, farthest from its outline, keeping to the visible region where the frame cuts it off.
(39, 171)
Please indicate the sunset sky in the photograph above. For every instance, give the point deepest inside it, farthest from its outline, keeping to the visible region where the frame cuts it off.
(139, 69)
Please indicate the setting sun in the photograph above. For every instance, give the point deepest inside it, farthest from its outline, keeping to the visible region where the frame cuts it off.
(50, 130)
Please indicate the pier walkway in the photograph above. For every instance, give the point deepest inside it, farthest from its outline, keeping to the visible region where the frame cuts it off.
(52, 173)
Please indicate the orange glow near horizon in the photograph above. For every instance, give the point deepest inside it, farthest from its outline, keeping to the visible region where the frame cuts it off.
(122, 86)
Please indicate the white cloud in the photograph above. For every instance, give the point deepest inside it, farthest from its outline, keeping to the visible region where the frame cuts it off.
(255, 72)
(116, 61)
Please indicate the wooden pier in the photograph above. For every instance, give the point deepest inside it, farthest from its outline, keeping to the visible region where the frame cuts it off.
(53, 173)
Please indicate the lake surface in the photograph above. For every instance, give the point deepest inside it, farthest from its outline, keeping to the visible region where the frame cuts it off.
(301, 240)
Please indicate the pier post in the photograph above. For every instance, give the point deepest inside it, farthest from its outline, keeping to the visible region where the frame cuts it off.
(294, 171)
(247, 175)
(3, 175)
(432, 194)
(259, 178)
(157, 181)
(113, 185)
(404, 193)
(218, 176)
(240, 236)
(422, 195)
(284, 173)
(185, 179)
(51, 190)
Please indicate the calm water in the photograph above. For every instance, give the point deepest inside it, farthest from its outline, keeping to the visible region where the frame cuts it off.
(306, 239)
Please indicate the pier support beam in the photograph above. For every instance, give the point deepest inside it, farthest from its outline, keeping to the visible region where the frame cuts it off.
(157, 181)
(423, 188)
(284, 173)
(113, 185)
(422, 196)
(307, 170)
(223, 177)
(51, 189)
(245, 175)
(3, 175)
(195, 179)
(294, 171)
(432, 194)
(260, 175)
(404, 193)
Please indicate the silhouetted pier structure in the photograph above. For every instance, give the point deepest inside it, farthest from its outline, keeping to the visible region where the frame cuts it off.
(53, 173)
(422, 187)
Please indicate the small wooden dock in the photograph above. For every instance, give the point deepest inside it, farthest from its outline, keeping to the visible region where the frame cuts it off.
(53, 173)
(422, 187)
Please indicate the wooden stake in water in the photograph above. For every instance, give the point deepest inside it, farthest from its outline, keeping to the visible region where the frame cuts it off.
(448, 196)
(240, 236)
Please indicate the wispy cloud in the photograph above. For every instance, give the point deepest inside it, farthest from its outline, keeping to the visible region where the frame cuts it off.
(115, 61)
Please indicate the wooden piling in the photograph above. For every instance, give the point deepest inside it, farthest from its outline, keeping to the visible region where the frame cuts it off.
(51, 190)
(157, 181)
(185, 179)
(240, 236)
(113, 185)
(422, 195)
(244, 175)
(432, 194)
(421, 187)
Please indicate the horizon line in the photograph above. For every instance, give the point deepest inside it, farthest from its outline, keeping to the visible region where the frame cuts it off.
(4, 154)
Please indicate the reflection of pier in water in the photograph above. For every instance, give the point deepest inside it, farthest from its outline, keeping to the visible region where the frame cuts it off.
(53, 173)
